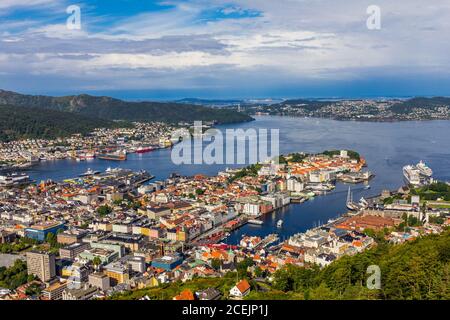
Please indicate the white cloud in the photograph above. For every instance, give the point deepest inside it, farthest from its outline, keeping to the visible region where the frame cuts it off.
(290, 40)
(8, 4)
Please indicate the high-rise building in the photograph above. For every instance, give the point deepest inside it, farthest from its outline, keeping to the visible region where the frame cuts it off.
(41, 264)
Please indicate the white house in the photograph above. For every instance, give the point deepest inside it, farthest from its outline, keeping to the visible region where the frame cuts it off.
(241, 289)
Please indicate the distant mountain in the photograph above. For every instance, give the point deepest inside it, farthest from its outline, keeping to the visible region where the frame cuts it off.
(115, 109)
(210, 102)
(23, 122)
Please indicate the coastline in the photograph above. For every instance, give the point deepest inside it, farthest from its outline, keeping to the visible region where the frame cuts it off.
(352, 119)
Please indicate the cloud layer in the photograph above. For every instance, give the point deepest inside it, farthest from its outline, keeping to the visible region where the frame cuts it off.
(246, 48)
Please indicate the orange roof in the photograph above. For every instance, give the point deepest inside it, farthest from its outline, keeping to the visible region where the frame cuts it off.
(185, 295)
(243, 286)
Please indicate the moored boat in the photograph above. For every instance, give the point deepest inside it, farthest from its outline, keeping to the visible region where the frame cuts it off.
(115, 156)
(89, 172)
(143, 149)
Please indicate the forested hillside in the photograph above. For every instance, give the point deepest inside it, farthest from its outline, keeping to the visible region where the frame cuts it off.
(20, 123)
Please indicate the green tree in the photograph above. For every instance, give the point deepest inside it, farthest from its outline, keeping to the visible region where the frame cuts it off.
(51, 239)
(104, 210)
(216, 264)
(96, 262)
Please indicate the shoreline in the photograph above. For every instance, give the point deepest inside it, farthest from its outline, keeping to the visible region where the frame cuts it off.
(350, 119)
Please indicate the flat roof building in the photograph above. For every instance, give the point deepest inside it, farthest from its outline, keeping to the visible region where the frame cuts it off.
(73, 250)
(167, 262)
(39, 232)
(42, 265)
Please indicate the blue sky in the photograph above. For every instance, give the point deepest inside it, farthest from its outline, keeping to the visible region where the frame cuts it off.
(225, 49)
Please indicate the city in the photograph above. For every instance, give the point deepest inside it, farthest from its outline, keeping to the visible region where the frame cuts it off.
(224, 159)
(111, 233)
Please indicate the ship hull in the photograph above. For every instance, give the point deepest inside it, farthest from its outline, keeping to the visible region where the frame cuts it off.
(112, 157)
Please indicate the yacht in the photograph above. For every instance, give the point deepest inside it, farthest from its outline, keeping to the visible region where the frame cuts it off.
(279, 223)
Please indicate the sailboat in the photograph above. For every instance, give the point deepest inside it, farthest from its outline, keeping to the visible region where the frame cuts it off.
(350, 204)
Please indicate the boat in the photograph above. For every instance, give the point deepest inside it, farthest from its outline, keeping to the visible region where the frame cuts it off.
(144, 149)
(14, 179)
(412, 175)
(89, 155)
(424, 169)
(367, 187)
(350, 205)
(89, 172)
(255, 221)
(363, 203)
(279, 223)
(115, 156)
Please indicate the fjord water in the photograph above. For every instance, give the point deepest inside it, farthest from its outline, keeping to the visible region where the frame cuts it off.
(387, 147)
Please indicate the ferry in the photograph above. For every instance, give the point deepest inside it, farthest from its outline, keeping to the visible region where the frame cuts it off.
(279, 223)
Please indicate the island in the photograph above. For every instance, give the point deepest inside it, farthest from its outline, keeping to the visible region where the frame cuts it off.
(415, 109)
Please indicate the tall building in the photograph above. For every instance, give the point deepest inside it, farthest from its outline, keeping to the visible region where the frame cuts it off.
(41, 264)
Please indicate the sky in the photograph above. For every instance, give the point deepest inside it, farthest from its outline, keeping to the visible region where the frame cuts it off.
(142, 49)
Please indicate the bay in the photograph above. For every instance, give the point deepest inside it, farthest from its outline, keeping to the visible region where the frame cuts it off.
(387, 147)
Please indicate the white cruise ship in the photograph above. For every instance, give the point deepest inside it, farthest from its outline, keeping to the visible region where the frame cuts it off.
(412, 175)
(424, 169)
(418, 175)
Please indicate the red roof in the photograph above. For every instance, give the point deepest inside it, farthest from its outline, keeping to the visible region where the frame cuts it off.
(185, 295)
(243, 286)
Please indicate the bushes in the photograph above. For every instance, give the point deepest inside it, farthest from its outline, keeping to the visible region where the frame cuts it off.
(14, 276)
(415, 270)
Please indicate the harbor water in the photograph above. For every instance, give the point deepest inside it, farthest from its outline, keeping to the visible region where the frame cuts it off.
(386, 146)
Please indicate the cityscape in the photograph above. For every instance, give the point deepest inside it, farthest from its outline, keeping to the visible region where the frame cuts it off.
(230, 151)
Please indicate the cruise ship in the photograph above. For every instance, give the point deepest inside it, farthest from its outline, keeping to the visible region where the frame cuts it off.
(417, 175)
(424, 169)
